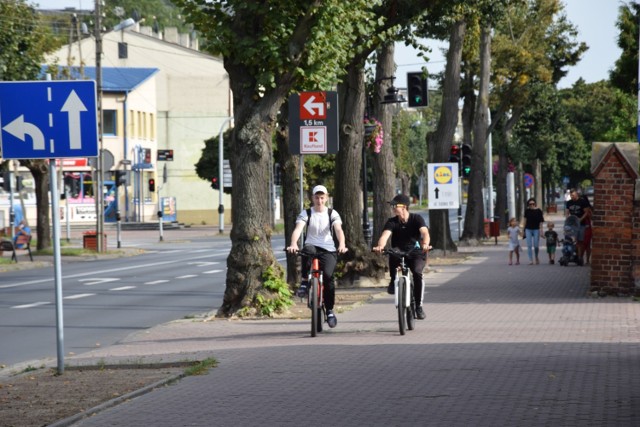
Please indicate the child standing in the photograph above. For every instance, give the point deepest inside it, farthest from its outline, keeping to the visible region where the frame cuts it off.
(552, 242)
(514, 244)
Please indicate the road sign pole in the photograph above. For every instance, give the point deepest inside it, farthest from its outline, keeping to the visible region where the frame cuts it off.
(57, 267)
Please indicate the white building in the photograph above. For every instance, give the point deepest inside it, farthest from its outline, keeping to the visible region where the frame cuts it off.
(193, 100)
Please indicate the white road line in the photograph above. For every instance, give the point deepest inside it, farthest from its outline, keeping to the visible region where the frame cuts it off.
(199, 250)
(203, 263)
(156, 282)
(187, 276)
(95, 273)
(78, 296)
(35, 304)
(97, 280)
(212, 271)
(122, 288)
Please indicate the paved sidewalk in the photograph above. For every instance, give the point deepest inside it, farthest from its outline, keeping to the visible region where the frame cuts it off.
(502, 345)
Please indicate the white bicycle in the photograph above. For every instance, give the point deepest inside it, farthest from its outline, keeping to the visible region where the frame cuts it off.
(403, 284)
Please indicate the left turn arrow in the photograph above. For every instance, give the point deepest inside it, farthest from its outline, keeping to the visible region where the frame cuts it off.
(20, 129)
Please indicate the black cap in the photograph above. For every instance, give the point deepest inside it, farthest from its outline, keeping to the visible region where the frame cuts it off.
(400, 199)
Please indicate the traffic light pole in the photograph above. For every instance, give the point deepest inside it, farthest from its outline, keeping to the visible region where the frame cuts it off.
(221, 175)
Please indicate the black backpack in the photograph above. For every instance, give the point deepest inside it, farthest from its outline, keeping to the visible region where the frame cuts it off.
(333, 234)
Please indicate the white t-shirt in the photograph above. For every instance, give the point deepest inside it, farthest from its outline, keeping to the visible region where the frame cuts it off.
(318, 232)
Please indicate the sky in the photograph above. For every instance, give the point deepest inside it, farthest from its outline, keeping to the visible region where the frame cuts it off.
(595, 20)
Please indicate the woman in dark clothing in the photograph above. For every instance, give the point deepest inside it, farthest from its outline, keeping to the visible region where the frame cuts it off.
(533, 229)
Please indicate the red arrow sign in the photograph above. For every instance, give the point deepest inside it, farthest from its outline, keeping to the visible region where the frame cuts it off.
(313, 106)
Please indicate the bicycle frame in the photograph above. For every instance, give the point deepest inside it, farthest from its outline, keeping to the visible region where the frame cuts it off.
(403, 271)
(316, 272)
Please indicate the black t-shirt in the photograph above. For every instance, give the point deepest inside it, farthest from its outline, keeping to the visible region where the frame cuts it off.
(577, 207)
(533, 218)
(405, 235)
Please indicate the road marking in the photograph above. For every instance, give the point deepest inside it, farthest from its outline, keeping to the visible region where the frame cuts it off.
(96, 281)
(155, 282)
(122, 288)
(94, 273)
(199, 251)
(35, 304)
(187, 276)
(203, 263)
(78, 296)
(212, 271)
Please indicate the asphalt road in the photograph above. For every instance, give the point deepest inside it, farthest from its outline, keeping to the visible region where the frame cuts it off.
(105, 300)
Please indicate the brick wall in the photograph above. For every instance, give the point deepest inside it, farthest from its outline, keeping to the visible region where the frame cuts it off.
(615, 258)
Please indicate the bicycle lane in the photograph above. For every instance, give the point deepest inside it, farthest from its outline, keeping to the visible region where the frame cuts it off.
(510, 345)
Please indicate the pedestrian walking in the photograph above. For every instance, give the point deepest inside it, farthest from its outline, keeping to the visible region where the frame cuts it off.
(552, 242)
(513, 231)
(533, 229)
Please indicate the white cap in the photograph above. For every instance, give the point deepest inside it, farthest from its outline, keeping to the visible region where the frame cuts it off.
(320, 189)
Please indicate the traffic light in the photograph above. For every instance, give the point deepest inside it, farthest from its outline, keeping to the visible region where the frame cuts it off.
(454, 156)
(18, 183)
(121, 178)
(152, 185)
(466, 160)
(215, 184)
(417, 89)
(277, 174)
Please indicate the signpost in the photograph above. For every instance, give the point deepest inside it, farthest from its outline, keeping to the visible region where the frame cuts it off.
(442, 184)
(313, 123)
(443, 187)
(50, 120)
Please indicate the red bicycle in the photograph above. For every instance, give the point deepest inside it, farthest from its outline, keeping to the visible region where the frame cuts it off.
(315, 300)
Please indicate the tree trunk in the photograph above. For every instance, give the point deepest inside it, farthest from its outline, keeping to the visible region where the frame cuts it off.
(440, 147)
(251, 252)
(40, 171)
(290, 166)
(474, 219)
(383, 163)
(348, 189)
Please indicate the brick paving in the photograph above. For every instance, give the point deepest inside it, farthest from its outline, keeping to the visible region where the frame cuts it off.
(502, 345)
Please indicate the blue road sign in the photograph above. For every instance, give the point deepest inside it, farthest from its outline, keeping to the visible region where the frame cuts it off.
(48, 119)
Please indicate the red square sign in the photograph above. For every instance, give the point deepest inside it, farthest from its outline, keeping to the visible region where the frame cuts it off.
(313, 106)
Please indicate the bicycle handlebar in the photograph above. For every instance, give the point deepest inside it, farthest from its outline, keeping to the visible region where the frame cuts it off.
(398, 253)
(302, 252)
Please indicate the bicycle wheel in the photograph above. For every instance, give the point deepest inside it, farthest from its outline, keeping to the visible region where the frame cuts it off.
(402, 320)
(411, 312)
(315, 311)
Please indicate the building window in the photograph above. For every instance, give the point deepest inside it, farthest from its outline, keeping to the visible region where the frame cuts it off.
(109, 122)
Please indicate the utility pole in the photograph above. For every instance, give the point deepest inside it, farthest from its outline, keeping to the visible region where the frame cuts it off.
(99, 164)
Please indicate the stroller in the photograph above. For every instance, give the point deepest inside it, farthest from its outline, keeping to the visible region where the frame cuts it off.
(570, 241)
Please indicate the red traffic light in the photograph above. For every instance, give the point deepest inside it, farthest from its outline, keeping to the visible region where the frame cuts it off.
(214, 183)
(455, 150)
(152, 185)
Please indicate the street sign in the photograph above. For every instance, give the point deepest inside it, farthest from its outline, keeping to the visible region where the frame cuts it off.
(165, 155)
(48, 119)
(443, 186)
(528, 180)
(313, 123)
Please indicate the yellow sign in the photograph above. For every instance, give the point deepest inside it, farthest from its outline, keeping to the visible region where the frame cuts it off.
(443, 175)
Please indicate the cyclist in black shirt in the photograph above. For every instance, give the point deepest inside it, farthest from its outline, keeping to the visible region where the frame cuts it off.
(407, 231)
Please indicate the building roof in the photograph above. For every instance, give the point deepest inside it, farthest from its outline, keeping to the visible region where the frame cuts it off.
(114, 79)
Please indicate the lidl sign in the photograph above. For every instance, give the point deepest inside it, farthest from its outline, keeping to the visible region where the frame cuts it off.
(443, 185)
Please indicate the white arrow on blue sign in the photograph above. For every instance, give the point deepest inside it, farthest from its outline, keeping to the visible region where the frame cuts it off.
(48, 119)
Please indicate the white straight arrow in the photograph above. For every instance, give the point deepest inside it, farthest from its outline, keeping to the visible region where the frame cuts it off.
(74, 106)
(20, 129)
(312, 106)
